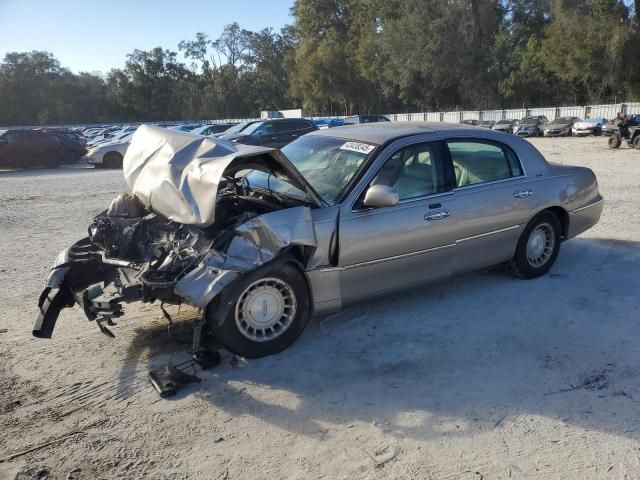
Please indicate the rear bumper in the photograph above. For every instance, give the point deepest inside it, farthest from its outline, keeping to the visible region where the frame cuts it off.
(583, 218)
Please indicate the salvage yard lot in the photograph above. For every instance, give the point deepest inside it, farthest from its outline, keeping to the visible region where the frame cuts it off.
(483, 376)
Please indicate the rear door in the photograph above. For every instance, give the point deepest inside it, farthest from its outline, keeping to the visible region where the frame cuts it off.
(388, 248)
(494, 199)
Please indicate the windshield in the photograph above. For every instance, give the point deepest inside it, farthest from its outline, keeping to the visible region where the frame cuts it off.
(505, 122)
(328, 164)
(529, 120)
(251, 128)
(238, 128)
(563, 120)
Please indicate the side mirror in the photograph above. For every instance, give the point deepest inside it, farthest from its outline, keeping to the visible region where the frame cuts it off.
(379, 196)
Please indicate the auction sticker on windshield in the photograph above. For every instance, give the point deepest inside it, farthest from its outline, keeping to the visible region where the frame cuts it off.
(358, 147)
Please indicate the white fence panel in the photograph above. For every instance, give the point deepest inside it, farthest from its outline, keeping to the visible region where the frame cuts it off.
(515, 114)
(632, 108)
(492, 115)
(607, 111)
(451, 117)
(470, 115)
(416, 117)
(550, 113)
(402, 117)
(432, 116)
(580, 112)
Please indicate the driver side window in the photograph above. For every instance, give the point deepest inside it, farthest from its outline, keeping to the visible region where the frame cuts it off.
(414, 171)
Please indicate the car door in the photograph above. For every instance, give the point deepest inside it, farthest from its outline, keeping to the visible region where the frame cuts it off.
(14, 150)
(391, 247)
(297, 129)
(275, 134)
(494, 199)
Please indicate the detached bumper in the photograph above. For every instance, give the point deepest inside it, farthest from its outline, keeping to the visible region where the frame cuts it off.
(74, 270)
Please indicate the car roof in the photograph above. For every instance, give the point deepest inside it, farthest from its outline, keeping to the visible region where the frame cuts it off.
(382, 132)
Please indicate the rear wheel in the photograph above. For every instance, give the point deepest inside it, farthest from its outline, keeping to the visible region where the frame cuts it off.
(614, 141)
(52, 159)
(112, 160)
(270, 311)
(538, 246)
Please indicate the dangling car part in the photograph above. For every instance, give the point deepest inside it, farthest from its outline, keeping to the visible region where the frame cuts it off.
(259, 239)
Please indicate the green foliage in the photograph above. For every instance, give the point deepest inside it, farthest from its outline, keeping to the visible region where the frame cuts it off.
(350, 56)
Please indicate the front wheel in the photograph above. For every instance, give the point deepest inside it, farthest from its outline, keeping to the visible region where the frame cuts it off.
(112, 160)
(271, 309)
(635, 143)
(538, 246)
(614, 141)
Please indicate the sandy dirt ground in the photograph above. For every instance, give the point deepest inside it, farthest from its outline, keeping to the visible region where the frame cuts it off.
(481, 377)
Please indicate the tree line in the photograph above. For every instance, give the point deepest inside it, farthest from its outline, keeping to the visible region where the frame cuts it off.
(352, 56)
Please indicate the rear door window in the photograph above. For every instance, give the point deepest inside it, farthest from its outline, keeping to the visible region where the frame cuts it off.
(481, 161)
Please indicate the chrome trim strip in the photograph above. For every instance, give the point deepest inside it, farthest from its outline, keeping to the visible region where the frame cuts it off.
(493, 182)
(588, 206)
(386, 259)
(487, 234)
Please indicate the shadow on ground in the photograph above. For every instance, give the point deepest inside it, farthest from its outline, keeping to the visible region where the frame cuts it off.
(460, 356)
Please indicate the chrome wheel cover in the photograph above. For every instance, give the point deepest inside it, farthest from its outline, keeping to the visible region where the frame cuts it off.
(265, 309)
(540, 245)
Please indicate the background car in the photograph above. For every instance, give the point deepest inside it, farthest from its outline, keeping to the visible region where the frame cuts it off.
(505, 126)
(272, 133)
(239, 127)
(530, 126)
(365, 119)
(30, 148)
(589, 126)
(328, 122)
(487, 123)
(560, 127)
(74, 145)
(109, 154)
(207, 130)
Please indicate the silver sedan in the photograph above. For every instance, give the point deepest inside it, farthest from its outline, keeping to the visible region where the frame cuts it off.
(261, 239)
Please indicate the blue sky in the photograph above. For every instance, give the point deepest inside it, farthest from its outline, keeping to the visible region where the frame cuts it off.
(95, 35)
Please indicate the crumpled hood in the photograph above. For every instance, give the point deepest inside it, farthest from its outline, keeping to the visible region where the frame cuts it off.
(177, 174)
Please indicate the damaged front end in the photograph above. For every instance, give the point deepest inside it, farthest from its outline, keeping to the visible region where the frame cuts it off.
(191, 227)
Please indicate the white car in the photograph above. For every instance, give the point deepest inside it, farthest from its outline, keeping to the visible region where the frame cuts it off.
(110, 154)
(589, 126)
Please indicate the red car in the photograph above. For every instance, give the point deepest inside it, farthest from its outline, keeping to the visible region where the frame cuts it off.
(30, 148)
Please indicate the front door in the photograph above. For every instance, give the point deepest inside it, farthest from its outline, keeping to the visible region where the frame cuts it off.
(387, 248)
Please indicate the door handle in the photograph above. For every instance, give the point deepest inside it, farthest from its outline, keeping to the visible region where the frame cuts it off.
(522, 193)
(436, 215)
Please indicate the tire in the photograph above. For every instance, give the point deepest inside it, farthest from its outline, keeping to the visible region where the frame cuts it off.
(236, 334)
(535, 255)
(635, 143)
(53, 159)
(614, 141)
(112, 160)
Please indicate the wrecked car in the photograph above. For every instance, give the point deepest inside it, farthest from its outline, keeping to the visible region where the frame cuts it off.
(261, 239)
